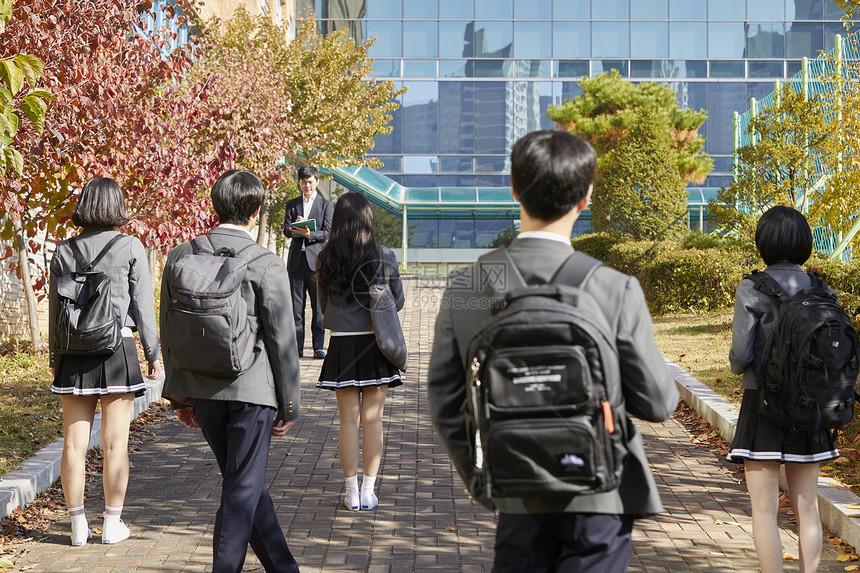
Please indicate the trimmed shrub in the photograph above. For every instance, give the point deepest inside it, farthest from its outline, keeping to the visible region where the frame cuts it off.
(598, 245)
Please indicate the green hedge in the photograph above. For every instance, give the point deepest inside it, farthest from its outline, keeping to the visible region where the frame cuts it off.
(697, 274)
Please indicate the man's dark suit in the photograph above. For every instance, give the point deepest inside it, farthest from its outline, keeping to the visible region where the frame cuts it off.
(302, 265)
(236, 414)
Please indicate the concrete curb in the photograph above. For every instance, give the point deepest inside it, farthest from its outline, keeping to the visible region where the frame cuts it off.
(38, 473)
(833, 497)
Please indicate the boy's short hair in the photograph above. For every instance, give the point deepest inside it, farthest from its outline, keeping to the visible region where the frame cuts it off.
(783, 235)
(101, 204)
(551, 172)
(237, 195)
(308, 171)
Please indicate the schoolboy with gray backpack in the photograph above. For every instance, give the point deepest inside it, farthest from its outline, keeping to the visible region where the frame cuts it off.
(807, 382)
(207, 330)
(544, 408)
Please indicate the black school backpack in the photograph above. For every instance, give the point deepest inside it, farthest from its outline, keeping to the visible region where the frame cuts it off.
(86, 322)
(206, 329)
(544, 412)
(807, 381)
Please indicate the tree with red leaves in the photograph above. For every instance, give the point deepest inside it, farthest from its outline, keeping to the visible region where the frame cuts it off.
(123, 110)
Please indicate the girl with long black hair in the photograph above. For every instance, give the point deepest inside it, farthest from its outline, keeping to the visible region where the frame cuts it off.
(354, 367)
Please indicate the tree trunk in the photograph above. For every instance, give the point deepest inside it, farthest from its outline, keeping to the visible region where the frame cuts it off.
(262, 226)
(27, 285)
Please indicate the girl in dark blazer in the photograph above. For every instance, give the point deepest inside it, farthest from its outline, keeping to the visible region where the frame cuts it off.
(354, 367)
(115, 379)
(784, 241)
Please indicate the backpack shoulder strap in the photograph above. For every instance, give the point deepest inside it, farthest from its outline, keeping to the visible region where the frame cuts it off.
(767, 284)
(79, 256)
(576, 269)
(499, 271)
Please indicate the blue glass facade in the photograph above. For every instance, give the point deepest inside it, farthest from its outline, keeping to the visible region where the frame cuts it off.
(481, 73)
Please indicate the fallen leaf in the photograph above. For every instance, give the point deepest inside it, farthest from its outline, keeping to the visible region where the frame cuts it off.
(842, 558)
(451, 528)
(786, 556)
(5, 563)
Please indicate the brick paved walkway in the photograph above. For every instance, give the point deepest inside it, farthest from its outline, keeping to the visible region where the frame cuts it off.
(424, 520)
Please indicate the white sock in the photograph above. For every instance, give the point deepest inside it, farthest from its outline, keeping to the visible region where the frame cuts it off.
(79, 518)
(112, 515)
(351, 484)
(367, 484)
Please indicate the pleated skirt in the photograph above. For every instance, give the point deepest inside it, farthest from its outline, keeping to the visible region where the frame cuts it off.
(355, 360)
(117, 373)
(756, 438)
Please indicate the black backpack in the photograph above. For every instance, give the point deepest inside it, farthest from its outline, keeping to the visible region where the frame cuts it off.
(206, 328)
(86, 322)
(807, 382)
(544, 413)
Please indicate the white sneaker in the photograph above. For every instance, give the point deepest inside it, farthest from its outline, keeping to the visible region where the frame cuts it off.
(80, 534)
(350, 501)
(369, 500)
(115, 532)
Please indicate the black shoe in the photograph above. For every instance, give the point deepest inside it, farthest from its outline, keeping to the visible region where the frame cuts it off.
(319, 354)
(301, 354)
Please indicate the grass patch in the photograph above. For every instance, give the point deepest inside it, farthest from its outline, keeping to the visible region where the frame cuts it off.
(30, 416)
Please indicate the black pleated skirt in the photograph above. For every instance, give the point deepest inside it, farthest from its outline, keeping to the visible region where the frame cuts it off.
(355, 360)
(117, 373)
(758, 439)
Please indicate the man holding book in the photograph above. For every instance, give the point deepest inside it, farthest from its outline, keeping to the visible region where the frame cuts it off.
(307, 223)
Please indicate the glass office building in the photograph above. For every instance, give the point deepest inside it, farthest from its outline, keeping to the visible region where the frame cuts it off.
(481, 73)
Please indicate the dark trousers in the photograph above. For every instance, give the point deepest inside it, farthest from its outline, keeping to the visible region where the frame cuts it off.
(562, 542)
(303, 281)
(239, 435)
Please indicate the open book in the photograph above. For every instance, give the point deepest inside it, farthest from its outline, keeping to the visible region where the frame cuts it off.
(309, 223)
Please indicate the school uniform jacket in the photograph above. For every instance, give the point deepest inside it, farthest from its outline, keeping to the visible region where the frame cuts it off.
(321, 211)
(648, 389)
(131, 287)
(272, 379)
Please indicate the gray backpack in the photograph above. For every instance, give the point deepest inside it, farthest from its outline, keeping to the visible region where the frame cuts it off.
(544, 411)
(207, 330)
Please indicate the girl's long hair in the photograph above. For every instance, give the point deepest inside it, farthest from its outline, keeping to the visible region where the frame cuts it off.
(349, 260)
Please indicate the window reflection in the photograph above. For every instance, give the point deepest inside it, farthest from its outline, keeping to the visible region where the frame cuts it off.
(688, 9)
(456, 10)
(688, 40)
(381, 8)
(571, 40)
(355, 28)
(532, 39)
(649, 39)
(610, 40)
(388, 39)
(765, 40)
(727, 9)
(567, 10)
(767, 9)
(609, 9)
(493, 9)
(457, 124)
(727, 69)
(419, 10)
(532, 9)
(723, 100)
(765, 69)
(726, 40)
(804, 39)
(420, 118)
(493, 39)
(649, 10)
(421, 39)
(456, 39)
(491, 117)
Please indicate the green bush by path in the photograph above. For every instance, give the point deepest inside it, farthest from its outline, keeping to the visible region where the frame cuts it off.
(700, 273)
